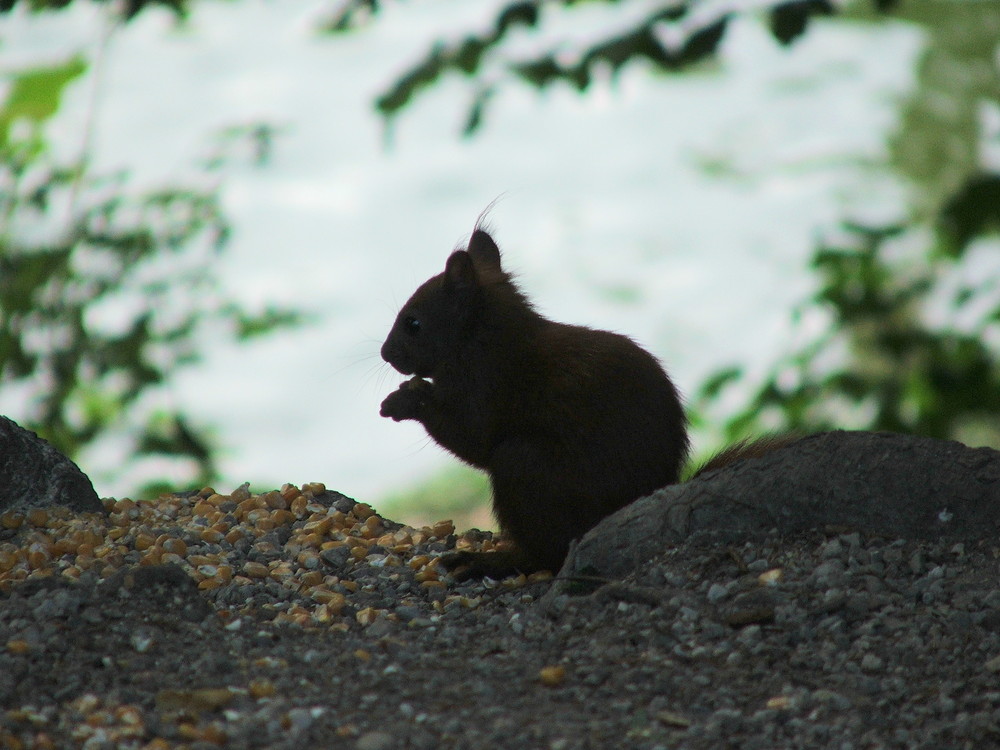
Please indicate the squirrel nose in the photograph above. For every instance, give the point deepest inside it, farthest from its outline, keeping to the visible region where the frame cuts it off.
(396, 356)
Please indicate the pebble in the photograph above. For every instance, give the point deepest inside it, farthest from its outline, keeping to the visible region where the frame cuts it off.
(296, 552)
(376, 741)
(717, 592)
(335, 631)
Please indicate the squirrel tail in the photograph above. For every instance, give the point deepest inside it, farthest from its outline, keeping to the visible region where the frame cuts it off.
(744, 449)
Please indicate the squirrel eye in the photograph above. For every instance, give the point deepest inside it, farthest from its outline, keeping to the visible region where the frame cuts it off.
(411, 325)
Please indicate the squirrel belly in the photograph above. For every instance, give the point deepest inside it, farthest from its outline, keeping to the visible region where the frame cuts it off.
(570, 423)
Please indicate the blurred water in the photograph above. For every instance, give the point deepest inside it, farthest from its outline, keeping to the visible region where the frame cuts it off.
(678, 210)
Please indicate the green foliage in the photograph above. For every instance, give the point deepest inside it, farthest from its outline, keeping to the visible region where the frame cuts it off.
(880, 363)
(697, 38)
(911, 342)
(938, 144)
(33, 98)
(127, 9)
(102, 289)
(888, 357)
(456, 493)
(351, 16)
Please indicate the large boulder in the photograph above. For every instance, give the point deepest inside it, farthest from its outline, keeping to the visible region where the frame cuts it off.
(33, 474)
(878, 483)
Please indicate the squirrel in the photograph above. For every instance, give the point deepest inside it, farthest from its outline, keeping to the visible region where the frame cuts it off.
(570, 423)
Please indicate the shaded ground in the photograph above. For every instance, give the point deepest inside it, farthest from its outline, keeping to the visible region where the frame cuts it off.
(829, 637)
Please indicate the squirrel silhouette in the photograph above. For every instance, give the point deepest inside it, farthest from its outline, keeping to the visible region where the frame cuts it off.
(569, 423)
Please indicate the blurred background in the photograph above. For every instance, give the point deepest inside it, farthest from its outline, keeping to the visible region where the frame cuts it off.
(211, 211)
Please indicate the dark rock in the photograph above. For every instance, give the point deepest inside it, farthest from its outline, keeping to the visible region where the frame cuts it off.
(33, 474)
(877, 483)
(336, 557)
(335, 500)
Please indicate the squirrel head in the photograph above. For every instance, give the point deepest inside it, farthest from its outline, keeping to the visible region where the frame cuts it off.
(436, 320)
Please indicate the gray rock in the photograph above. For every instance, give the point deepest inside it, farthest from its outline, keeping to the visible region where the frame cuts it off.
(882, 483)
(33, 474)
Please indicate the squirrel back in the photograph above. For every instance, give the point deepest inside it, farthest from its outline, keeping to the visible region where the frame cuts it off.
(570, 423)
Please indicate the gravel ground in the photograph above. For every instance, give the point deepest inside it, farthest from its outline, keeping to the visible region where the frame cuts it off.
(316, 626)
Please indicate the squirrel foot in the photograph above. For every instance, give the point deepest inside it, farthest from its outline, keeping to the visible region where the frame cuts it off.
(465, 565)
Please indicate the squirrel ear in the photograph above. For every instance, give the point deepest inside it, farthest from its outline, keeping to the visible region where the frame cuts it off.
(458, 271)
(484, 252)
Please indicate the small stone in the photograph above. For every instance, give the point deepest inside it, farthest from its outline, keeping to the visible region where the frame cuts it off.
(871, 663)
(831, 698)
(376, 741)
(380, 628)
(717, 592)
(832, 549)
(407, 613)
(443, 529)
(552, 676)
(262, 688)
(852, 540)
(770, 577)
(18, 646)
(366, 616)
(255, 569)
(336, 557)
(362, 511)
(672, 719)
(203, 699)
(300, 719)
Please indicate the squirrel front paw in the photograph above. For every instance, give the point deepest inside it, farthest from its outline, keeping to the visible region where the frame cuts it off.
(407, 401)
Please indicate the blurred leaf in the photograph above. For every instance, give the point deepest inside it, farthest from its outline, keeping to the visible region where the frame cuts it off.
(96, 321)
(170, 434)
(458, 493)
(903, 373)
(475, 116)
(539, 73)
(35, 94)
(974, 210)
(560, 61)
(352, 15)
(517, 14)
(712, 387)
(250, 326)
(703, 43)
(128, 9)
(421, 75)
(790, 19)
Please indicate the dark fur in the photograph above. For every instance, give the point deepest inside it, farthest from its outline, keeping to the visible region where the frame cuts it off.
(745, 449)
(570, 423)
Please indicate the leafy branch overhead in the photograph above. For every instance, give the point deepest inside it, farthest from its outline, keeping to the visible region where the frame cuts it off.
(127, 9)
(104, 289)
(672, 37)
(910, 342)
(899, 373)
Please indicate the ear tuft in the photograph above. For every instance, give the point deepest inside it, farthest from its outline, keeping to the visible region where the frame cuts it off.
(459, 270)
(484, 251)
